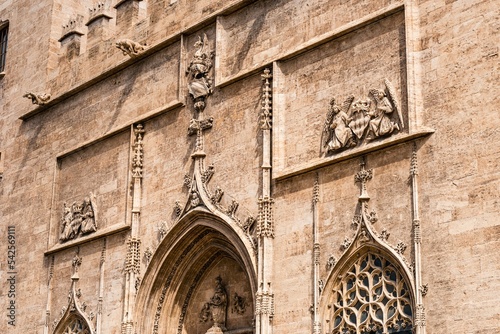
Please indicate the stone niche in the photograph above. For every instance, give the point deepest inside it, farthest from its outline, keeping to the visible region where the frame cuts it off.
(91, 181)
(239, 311)
(352, 64)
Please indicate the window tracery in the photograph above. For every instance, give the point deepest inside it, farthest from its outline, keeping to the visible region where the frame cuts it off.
(76, 326)
(372, 297)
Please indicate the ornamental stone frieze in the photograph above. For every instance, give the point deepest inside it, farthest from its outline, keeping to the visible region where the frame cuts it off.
(78, 219)
(358, 121)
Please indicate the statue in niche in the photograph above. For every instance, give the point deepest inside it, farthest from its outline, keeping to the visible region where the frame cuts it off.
(361, 121)
(199, 85)
(239, 304)
(215, 309)
(78, 219)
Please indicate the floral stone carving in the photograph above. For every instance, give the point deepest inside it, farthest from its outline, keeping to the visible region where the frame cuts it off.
(359, 121)
(78, 219)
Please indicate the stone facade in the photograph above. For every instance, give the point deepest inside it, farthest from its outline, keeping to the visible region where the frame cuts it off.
(288, 166)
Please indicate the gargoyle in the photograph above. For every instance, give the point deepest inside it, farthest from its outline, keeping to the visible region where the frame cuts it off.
(39, 99)
(129, 47)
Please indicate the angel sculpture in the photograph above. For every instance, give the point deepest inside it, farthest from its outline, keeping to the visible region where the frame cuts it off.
(88, 215)
(78, 219)
(336, 133)
(385, 104)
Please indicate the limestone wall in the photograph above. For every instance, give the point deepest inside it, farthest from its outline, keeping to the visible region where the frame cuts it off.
(439, 57)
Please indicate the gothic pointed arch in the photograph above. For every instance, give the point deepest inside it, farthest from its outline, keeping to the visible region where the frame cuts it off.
(182, 274)
(370, 289)
(73, 319)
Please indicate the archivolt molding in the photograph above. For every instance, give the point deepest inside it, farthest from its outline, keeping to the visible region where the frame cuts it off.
(189, 244)
(73, 317)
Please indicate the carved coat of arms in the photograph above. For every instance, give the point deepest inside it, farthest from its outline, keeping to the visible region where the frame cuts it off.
(78, 219)
(358, 121)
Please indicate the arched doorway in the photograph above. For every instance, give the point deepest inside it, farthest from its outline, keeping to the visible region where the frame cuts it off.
(201, 261)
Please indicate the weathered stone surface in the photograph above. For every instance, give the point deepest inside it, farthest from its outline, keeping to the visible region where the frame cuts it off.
(176, 211)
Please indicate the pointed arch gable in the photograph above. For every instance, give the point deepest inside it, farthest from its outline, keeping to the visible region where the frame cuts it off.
(197, 241)
(369, 290)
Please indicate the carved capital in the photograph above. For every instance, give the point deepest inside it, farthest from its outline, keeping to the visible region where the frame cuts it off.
(264, 303)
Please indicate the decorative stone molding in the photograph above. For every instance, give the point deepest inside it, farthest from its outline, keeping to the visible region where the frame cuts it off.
(73, 318)
(361, 266)
(265, 220)
(170, 277)
(138, 159)
(148, 253)
(199, 83)
(130, 48)
(100, 10)
(39, 99)
(331, 262)
(162, 231)
(200, 125)
(266, 113)
(73, 27)
(132, 261)
(78, 219)
(264, 303)
(359, 121)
